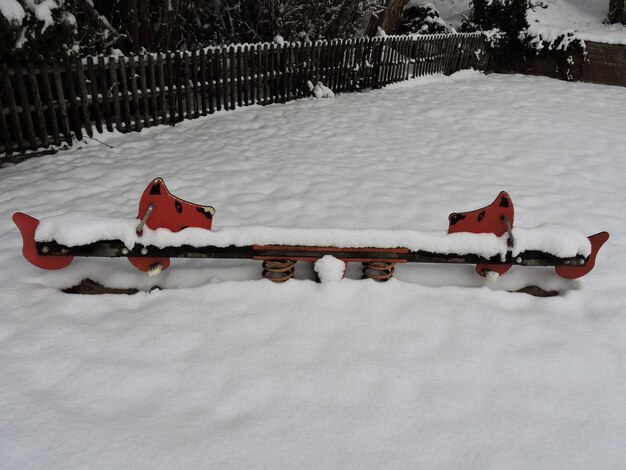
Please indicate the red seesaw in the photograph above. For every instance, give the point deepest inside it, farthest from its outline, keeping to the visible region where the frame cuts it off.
(159, 209)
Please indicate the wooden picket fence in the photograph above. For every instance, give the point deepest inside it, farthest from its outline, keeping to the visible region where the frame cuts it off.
(46, 105)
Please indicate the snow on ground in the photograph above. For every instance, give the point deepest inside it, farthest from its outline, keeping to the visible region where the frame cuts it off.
(437, 368)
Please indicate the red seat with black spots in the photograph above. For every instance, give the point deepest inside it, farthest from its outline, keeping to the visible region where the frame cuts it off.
(491, 219)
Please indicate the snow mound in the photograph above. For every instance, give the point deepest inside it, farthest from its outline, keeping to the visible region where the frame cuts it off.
(83, 228)
(329, 269)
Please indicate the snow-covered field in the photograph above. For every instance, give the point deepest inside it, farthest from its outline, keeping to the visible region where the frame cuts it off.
(438, 368)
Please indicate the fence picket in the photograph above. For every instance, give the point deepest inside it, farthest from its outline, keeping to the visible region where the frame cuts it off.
(237, 68)
(314, 74)
(224, 78)
(180, 89)
(339, 60)
(407, 60)
(58, 85)
(252, 72)
(187, 86)
(245, 70)
(41, 120)
(26, 111)
(195, 90)
(115, 92)
(106, 103)
(15, 118)
(95, 99)
(171, 96)
(126, 114)
(216, 61)
(160, 72)
(211, 88)
(232, 66)
(47, 90)
(263, 68)
(300, 70)
(273, 73)
(134, 101)
(152, 112)
(75, 124)
(294, 51)
(84, 99)
(144, 90)
(4, 128)
(203, 90)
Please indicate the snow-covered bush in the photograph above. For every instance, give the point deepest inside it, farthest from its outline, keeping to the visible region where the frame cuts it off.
(421, 18)
(33, 31)
(505, 25)
(36, 29)
(507, 19)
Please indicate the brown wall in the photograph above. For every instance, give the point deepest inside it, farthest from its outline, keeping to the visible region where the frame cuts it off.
(604, 64)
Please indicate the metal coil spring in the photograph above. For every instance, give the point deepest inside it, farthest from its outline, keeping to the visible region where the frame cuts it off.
(380, 271)
(278, 271)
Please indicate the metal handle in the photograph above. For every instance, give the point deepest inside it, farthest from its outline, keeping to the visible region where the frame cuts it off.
(149, 210)
(509, 229)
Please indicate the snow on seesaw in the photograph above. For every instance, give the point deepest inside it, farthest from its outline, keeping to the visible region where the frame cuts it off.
(438, 368)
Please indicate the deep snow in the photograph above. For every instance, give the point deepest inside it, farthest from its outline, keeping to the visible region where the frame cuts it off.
(436, 369)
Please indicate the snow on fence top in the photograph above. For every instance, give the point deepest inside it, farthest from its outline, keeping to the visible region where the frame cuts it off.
(119, 55)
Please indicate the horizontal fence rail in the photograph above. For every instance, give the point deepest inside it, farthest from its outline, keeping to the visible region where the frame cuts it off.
(47, 105)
